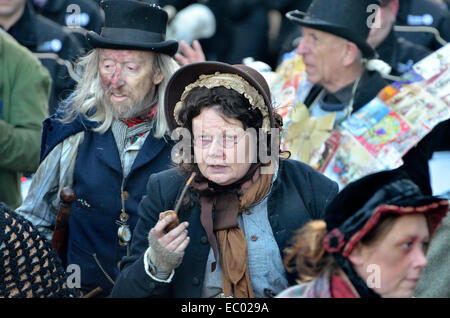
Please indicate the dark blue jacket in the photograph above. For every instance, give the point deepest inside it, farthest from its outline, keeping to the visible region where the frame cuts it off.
(93, 240)
(298, 195)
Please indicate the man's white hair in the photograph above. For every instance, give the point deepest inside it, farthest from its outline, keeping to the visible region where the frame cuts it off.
(87, 99)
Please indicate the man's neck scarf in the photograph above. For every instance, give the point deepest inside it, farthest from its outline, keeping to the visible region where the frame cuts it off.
(148, 117)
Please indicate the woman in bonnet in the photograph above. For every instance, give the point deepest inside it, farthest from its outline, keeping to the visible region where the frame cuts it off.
(242, 204)
(372, 243)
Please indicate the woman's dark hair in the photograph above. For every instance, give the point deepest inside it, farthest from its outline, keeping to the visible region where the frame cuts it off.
(233, 105)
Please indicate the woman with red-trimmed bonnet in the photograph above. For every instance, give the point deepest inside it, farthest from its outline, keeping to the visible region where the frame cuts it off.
(372, 242)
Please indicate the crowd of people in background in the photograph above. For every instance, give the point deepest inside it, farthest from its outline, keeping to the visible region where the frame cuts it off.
(91, 94)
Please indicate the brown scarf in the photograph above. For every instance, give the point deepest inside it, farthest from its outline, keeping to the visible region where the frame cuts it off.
(230, 237)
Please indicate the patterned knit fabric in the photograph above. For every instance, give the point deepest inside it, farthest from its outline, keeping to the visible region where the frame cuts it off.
(28, 265)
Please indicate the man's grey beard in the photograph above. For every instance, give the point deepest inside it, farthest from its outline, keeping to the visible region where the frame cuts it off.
(136, 110)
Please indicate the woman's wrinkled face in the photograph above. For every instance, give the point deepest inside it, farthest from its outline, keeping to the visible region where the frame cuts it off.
(222, 149)
(398, 258)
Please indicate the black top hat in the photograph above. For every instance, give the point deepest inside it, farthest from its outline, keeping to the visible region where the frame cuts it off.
(190, 73)
(358, 207)
(348, 19)
(132, 25)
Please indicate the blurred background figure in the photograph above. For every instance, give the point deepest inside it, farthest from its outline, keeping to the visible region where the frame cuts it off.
(416, 162)
(55, 47)
(196, 21)
(24, 92)
(424, 13)
(78, 16)
(287, 34)
(336, 54)
(398, 52)
(241, 28)
(214, 48)
(260, 29)
(249, 26)
(444, 4)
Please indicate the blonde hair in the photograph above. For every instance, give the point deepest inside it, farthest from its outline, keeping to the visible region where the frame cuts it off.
(87, 99)
(307, 255)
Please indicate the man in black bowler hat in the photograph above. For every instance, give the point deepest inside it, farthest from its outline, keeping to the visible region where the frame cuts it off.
(336, 55)
(105, 141)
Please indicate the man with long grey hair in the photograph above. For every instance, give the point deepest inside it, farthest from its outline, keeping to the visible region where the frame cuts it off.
(104, 142)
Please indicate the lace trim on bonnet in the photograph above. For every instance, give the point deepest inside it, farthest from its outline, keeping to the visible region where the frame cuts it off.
(230, 81)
